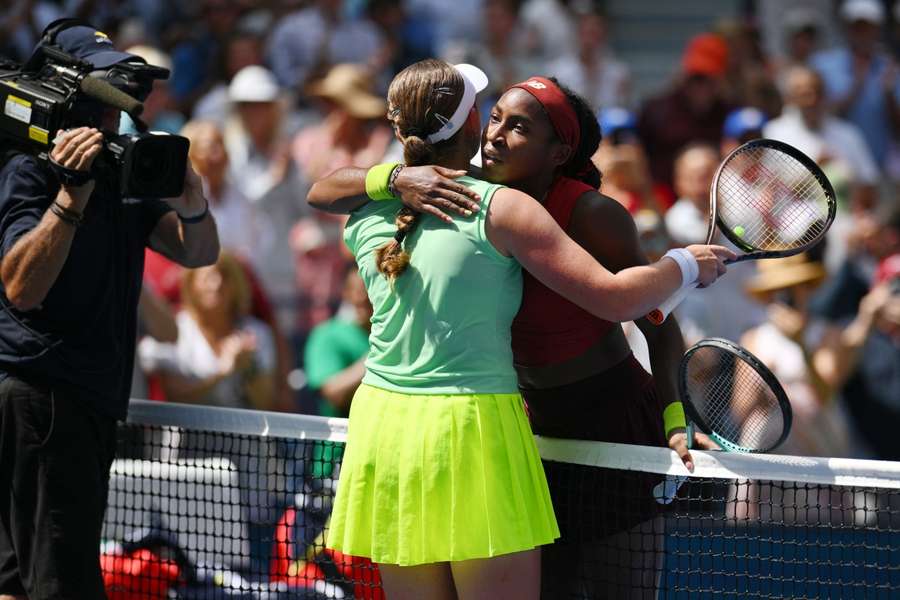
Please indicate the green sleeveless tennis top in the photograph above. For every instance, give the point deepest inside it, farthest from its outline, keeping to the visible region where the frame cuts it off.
(445, 327)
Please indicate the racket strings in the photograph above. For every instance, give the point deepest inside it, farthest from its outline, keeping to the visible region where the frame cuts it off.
(777, 203)
(794, 214)
(733, 399)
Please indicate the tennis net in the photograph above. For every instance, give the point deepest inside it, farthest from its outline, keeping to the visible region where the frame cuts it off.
(222, 503)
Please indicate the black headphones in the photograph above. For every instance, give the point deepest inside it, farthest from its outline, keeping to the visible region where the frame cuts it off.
(48, 37)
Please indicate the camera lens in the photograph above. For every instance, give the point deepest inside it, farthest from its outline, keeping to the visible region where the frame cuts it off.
(156, 165)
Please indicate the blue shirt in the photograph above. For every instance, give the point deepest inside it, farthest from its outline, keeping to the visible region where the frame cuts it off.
(870, 111)
(82, 336)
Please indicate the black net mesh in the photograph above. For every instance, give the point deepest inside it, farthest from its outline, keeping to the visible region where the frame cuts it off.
(205, 514)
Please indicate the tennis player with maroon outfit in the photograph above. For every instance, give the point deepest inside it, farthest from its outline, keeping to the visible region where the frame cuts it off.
(577, 373)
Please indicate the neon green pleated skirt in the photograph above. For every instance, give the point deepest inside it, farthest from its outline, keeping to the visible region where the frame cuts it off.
(434, 478)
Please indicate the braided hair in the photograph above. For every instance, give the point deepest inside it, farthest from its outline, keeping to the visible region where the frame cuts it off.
(420, 99)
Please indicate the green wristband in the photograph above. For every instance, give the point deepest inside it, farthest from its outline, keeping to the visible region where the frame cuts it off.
(377, 180)
(673, 417)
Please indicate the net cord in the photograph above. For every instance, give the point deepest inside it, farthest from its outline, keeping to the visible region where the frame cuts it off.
(714, 465)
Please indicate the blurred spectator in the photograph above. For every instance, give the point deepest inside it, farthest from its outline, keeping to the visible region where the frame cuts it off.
(593, 71)
(336, 350)
(802, 30)
(199, 40)
(554, 25)
(692, 110)
(723, 310)
(223, 357)
(873, 240)
(861, 79)
(320, 262)
(353, 133)
(741, 126)
(867, 365)
(155, 320)
(160, 112)
(687, 220)
(239, 227)
(256, 140)
(21, 24)
(354, 130)
(836, 145)
(794, 346)
(165, 278)
(448, 27)
(242, 49)
(503, 51)
(305, 44)
(749, 79)
(408, 36)
(622, 161)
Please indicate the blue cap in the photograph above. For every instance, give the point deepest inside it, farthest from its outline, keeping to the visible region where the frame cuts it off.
(742, 121)
(92, 46)
(615, 119)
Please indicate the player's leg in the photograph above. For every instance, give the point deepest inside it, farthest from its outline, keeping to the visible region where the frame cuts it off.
(421, 581)
(515, 576)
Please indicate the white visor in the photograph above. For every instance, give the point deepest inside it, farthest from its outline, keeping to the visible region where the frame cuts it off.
(475, 80)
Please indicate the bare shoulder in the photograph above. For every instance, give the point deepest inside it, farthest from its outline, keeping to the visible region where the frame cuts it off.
(508, 203)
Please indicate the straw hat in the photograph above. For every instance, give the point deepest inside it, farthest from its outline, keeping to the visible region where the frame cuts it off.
(780, 273)
(350, 86)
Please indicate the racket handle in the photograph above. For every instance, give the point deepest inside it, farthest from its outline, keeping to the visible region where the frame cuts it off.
(658, 316)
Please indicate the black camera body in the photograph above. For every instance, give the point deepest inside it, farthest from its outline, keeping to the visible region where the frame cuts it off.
(57, 92)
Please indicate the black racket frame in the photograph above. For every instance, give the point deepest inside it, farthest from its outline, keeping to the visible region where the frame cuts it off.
(751, 252)
(757, 365)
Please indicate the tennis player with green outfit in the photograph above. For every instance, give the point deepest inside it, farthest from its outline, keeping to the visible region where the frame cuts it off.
(441, 482)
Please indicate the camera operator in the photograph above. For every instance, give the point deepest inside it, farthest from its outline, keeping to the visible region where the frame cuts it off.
(71, 262)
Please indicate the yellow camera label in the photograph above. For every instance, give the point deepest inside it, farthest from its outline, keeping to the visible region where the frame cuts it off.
(39, 135)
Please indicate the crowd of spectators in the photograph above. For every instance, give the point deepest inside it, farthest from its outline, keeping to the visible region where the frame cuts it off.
(274, 94)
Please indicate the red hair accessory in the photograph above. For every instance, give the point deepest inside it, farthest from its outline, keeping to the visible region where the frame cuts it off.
(555, 103)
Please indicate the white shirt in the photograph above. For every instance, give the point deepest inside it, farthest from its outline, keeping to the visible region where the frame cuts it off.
(192, 357)
(555, 26)
(240, 228)
(607, 87)
(301, 38)
(838, 139)
(686, 224)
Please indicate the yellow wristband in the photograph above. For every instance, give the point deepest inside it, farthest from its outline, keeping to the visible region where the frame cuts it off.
(377, 180)
(673, 417)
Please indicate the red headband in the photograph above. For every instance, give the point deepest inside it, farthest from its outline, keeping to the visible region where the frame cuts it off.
(557, 106)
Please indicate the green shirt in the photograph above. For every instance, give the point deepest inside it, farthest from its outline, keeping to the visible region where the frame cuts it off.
(445, 327)
(332, 347)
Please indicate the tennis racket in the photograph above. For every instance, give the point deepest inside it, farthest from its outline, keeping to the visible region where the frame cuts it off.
(768, 199)
(731, 396)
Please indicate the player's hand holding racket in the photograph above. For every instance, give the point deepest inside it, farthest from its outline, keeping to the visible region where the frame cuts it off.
(768, 199)
(733, 398)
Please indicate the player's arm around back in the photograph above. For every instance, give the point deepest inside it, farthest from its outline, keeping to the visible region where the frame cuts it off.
(518, 226)
(31, 266)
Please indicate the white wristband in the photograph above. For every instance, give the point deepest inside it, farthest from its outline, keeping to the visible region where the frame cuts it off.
(690, 270)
